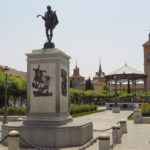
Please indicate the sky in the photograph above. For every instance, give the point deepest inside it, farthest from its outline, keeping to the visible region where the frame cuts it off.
(90, 31)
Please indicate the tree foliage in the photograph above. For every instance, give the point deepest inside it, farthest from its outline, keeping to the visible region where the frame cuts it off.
(100, 97)
(16, 86)
(89, 85)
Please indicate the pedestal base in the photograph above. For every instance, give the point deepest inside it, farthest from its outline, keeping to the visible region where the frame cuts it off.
(71, 134)
(48, 45)
(47, 119)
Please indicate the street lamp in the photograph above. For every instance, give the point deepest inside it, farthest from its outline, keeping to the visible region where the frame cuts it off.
(5, 100)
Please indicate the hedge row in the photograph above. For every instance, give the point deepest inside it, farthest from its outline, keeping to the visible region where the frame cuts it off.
(145, 109)
(100, 97)
(75, 109)
(14, 111)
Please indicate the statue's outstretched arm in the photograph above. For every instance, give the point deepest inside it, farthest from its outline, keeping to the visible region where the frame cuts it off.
(41, 17)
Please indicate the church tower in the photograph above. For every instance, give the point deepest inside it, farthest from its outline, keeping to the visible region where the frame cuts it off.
(76, 80)
(147, 63)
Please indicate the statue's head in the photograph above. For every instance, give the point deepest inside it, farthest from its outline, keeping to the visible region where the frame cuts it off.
(49, 8)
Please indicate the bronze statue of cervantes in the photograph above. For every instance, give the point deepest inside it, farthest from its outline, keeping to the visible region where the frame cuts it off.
(51, 21)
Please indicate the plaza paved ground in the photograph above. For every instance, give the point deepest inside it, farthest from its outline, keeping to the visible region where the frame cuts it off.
(101, 121)
(104, 120)
(138, 137)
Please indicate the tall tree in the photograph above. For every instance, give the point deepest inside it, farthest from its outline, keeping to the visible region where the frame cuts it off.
(89, 84)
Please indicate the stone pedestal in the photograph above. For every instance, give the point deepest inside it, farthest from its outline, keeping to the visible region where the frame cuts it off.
(49, 123)
(48, 78)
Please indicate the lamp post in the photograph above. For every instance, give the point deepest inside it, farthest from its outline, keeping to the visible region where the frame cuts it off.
(5, 100)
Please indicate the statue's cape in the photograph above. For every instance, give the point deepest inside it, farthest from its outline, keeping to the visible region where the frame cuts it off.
(55, 20)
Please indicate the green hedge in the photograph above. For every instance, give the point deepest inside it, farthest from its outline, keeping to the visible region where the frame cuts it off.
(145, 109)
(75, 109)
(14, 111)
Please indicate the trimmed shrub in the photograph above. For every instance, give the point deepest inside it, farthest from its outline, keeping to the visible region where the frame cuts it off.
(12, 111)
(82, 108)
(75, 109)
(145, 109)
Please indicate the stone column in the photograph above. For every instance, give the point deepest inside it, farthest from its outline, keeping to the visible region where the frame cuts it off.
(123, 126)
(49, 122)
(104, 142)
(48, 85)
(137, 116)
(116, 135)
(13, 140)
